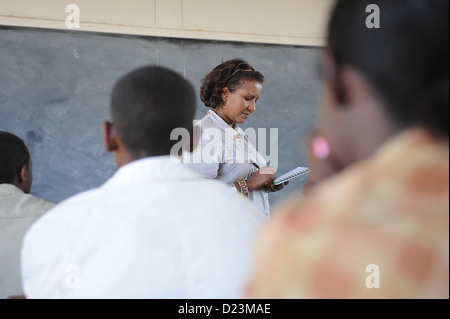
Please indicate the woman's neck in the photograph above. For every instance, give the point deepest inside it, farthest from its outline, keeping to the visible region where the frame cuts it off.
(219, 111)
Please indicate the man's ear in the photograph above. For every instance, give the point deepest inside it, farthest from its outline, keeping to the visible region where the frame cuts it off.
(110, 137)
(24, 179)
(23, 175)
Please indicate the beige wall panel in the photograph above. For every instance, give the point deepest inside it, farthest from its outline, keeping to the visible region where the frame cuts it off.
(169, 14)
(294, 18)
(295, 22)
(140, 13)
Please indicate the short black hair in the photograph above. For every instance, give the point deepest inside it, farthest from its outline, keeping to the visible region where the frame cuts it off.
(147, 104)
(14, 155)
(406, 60)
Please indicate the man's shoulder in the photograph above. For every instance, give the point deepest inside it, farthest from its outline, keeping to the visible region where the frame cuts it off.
(79, 204)
(23, 205)
(63, 216)
(84, 199)
(39, 204)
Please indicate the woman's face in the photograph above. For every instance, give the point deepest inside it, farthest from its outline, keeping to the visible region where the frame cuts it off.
(240, 104)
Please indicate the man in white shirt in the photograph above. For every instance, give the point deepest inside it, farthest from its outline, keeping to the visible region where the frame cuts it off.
(18, 210)
(155, 229)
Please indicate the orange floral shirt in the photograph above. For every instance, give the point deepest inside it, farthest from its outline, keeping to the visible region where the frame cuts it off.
(380, 229)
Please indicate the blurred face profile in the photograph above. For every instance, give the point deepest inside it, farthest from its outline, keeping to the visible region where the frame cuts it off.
(335, 119)
(241, 103)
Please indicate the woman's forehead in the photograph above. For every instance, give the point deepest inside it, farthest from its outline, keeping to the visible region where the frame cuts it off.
(251, 87)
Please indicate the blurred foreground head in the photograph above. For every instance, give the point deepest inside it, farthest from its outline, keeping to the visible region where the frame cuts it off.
(147, 104)
(381, 228)
(380, 81)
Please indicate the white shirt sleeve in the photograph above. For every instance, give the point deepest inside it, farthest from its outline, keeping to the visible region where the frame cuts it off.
(207, 156)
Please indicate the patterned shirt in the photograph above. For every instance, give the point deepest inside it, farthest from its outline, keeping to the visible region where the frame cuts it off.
(380, 229)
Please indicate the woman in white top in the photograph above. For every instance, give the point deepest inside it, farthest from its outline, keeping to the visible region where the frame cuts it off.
(224, 153)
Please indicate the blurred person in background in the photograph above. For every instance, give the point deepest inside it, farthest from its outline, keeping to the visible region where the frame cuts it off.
(18, 210)
(232, 90)
(380, 227)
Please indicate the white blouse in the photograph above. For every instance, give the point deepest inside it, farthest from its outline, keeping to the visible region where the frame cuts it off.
(224, 153)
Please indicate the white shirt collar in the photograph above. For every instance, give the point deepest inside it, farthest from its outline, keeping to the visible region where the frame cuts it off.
(220, 121)
(152, 169)
(10, 189)
(221, 124)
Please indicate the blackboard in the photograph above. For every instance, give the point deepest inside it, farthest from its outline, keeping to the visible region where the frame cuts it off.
(55, 86)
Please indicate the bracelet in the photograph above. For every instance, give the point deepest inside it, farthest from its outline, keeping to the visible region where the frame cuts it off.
(233, 187)
(244, 187)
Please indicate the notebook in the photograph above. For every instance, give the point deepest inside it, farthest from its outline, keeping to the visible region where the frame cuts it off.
(297, 172)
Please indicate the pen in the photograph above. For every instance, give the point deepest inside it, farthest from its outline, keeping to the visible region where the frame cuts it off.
(256, 165)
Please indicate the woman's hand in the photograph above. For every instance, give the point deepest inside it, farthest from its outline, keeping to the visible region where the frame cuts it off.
(276, 188)
(263, 179)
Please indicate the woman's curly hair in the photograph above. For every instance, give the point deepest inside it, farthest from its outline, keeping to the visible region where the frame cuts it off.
(230, 74)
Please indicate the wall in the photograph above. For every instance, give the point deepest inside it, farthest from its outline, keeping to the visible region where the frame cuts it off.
(292, 22)
(55, 86)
